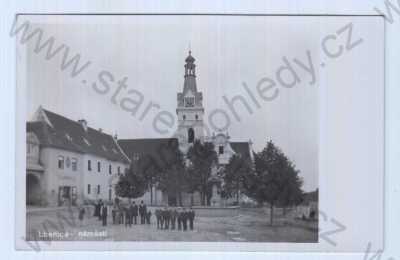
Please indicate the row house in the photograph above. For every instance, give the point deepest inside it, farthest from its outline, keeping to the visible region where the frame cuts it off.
(69, 162)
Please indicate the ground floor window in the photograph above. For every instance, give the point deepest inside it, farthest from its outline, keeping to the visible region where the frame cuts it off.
(67, 195)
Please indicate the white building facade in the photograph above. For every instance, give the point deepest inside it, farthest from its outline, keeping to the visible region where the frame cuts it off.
(70, 163)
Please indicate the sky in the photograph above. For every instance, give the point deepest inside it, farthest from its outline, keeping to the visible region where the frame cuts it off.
(230, 52)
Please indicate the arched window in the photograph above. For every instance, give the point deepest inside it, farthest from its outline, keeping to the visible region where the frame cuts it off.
(190, 135)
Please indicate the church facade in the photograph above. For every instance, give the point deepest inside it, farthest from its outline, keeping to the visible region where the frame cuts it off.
(191, 127)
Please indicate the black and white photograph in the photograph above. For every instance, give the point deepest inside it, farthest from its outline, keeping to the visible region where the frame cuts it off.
(179, 137)
(191, 128)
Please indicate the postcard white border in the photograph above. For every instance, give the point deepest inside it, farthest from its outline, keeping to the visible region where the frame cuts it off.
(309, 7)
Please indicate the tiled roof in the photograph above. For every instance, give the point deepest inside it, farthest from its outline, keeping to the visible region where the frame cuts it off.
(69, 135)
(241, 148)
(157, 150)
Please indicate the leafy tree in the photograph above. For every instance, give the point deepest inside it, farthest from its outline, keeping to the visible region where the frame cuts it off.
(291, 193)
(132, 184)
(191, 181)
(275, 179)
(202, 158)
(150, 172)
(234, 175)
(172, 177)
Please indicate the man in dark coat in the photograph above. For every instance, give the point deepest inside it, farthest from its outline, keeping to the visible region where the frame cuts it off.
(114, 214)
(135, 212)
(148, 217)
(158, 217)
(162, 218)
(131, 213)
(104, 213)
(142, 212)
(174, 215)
(127, 216)
(179, 219)
(101, 204)
(184, 219)
(96, 211)
(167, 215)
(191, 215)
(120, 214)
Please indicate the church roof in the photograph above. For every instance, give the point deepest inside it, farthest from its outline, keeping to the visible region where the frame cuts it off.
(156, 150)
(66, 134)
(242, 148)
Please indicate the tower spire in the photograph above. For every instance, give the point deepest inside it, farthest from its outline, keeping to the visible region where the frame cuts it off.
(190, 67)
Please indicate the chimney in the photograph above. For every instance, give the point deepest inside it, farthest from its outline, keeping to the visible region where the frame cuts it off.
(83, 123)
(100, 130)
(115, 136)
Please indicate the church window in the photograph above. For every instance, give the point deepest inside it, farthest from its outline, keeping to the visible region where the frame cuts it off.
(184, 117)
(197, 117)
(190, 135)
(221, 149)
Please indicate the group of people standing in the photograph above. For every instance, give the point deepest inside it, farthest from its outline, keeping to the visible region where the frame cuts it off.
(129, 214)
(175, 218)
(101, 212)
(122, 214)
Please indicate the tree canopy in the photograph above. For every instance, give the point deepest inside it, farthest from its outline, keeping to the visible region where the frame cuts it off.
(234, 176)
(203, 158)
(275, 179)
(131, 184)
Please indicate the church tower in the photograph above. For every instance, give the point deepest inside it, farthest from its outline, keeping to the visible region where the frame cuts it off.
(190, 109)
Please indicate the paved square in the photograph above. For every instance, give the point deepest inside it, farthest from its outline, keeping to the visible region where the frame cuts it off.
(248, 226)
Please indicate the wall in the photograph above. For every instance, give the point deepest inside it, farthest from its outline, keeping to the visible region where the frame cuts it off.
(55, 177)
(102, 178)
